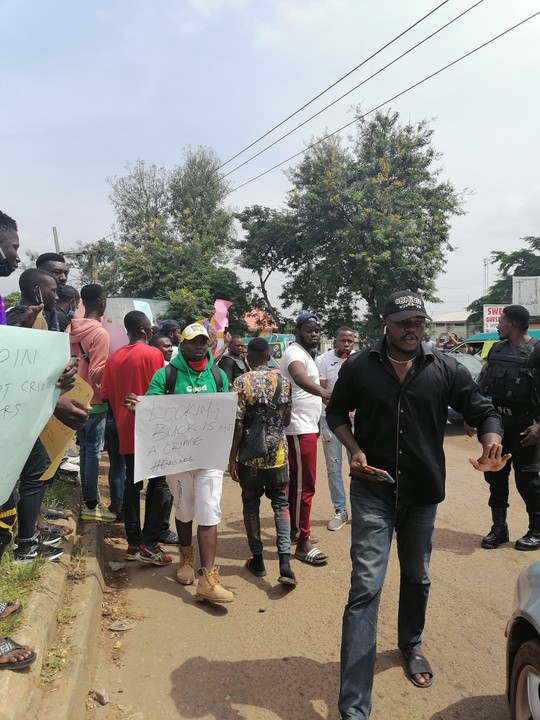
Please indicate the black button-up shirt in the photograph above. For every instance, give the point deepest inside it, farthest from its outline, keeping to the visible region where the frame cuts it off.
(400, 426)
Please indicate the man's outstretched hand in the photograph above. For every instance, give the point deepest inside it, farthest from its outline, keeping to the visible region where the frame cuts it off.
(491, 459)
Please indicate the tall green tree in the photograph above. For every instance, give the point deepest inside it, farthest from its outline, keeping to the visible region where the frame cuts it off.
(368, 217)
(523, 263)
(264, 249)
(173, 236)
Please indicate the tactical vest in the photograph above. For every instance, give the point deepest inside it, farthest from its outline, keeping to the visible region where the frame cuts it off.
(510, 382)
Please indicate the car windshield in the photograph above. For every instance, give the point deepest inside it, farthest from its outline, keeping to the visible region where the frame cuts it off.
(472, 363)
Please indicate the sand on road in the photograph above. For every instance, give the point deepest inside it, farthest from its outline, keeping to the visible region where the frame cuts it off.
(274, 655)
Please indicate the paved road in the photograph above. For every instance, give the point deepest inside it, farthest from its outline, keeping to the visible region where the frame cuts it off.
(274, 655)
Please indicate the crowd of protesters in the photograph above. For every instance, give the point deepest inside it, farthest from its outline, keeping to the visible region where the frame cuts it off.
(386, 405)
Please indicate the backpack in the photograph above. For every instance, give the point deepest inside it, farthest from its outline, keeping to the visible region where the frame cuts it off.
(253, 443)
(510, 382)
(171, 373)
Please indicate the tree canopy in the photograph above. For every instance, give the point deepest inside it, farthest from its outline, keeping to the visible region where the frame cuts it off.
(364, 217)
(523, 263)
(173, 238)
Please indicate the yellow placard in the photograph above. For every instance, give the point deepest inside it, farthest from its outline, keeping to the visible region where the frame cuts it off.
(40, 323)
(57, 437)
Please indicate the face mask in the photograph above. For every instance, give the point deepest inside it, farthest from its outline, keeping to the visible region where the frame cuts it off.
(342, 354)
(5, 266)
(71, 313)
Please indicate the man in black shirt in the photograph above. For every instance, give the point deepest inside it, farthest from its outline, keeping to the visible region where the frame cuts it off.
(233, 363)
(400, 391)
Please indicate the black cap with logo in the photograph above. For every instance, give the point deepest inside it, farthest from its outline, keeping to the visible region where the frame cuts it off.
(403, 305)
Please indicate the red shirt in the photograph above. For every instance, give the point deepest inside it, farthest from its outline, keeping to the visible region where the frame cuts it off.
(128, 370)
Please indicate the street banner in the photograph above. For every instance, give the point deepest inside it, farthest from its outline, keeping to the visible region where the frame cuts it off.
(176, 433)
(492, 315)
(57, 437)
(30, 364)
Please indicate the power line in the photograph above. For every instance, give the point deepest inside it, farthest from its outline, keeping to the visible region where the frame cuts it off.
(411, 87)
(401, 34)
(385, 67)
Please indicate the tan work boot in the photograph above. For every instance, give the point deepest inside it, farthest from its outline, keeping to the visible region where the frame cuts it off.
(209, 587)
(185, 574)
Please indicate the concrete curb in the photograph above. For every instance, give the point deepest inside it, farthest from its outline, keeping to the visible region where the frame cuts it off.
(21, 696)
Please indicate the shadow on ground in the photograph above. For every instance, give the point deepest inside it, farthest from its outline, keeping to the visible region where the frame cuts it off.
(292, 688)
(483, 707)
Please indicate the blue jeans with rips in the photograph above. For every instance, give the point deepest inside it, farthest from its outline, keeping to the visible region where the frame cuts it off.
(90, 438)
(373, 524)
(333, 455)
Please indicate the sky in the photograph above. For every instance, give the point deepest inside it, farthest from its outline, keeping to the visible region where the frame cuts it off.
(90, 87)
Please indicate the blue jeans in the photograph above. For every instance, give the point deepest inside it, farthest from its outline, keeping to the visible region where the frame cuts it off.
(90, 438)
(373, 523)
(117, 464)
(333, 454)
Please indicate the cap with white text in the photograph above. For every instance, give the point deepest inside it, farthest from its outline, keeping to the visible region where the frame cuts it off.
(404, 305)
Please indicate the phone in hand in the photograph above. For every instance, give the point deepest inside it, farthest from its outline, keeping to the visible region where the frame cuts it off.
(381, 474)
(38, 297)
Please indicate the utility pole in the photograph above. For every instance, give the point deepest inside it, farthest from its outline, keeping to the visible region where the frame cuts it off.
(55, 237)
(486, 276)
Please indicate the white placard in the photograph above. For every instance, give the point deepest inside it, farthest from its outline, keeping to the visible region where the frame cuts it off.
(526, 292)
(175, 433)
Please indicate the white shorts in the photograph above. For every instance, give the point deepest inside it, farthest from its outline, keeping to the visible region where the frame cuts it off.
(197, 493)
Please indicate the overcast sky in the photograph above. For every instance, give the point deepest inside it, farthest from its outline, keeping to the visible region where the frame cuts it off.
(89, 87)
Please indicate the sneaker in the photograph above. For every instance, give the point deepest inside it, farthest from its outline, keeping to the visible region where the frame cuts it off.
(339, 520)
(36, 551)
(48, 537)
(69, 467)
(132, 553)
(99, 514)
(155, 556)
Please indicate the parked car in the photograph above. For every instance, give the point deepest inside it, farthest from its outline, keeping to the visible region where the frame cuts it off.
(523, 647)
(481, 343)
(474, 366)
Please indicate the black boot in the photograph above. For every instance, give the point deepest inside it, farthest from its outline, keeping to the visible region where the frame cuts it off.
(499, 530)
(531, 539)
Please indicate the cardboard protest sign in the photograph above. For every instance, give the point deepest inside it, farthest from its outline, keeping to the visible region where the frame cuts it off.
(30, 364)
(55, 436)
(175, 433)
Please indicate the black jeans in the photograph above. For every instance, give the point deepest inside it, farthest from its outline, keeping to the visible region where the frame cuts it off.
(32, 491)
(526, 464)
(272, 482)
(8, 515)
(156, 507)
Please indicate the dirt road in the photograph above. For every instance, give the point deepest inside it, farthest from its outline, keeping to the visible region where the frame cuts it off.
(274, 655)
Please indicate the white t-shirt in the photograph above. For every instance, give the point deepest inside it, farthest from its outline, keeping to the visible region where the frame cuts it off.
(306, 408)
(329, 365)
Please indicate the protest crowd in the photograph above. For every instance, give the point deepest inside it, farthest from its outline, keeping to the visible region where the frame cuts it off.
(385, 406)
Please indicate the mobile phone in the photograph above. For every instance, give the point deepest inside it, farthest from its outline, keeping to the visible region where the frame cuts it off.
(38, 296)
(381, 474)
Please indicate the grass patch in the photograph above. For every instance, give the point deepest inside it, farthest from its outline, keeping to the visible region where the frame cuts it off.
(54, 663)
(16, 583)
(18, 580)
(61, 494)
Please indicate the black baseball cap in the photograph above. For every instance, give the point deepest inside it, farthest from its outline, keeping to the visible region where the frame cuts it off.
(404, 305)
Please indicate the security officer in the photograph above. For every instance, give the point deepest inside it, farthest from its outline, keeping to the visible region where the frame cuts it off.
(508, 378)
